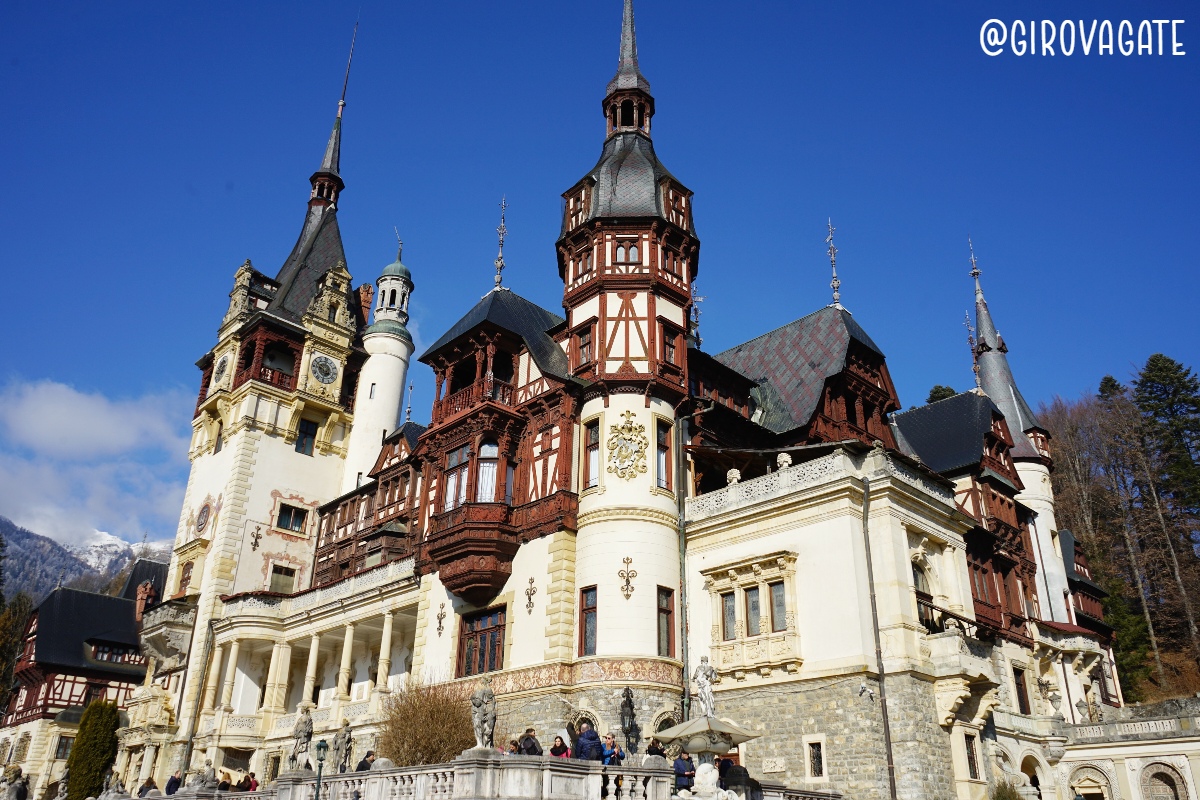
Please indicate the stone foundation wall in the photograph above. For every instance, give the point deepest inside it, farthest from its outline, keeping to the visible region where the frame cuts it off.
(854, 753)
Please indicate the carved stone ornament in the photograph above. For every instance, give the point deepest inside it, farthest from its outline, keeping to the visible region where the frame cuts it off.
(627, 445)
(627, 575)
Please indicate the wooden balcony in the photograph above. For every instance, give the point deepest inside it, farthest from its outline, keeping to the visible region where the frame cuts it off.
(266, 375)
(484, 391)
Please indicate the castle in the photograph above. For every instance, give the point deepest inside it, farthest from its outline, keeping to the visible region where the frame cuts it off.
(596, 504)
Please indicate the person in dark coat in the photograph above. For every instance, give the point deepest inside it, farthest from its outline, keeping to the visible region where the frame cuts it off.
(685, 771)
(655, 748)
(365, 764)
(173, 782)
(145, 788)
(530, 746)
(588, 746)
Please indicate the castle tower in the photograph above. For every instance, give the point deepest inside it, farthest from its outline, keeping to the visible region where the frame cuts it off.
(628, 255)
(380, 394)
(1030, 452)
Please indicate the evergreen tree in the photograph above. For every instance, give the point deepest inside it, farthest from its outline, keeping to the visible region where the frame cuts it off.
(94, 750)
(13, 620)
(1168, 395)
(940, 392)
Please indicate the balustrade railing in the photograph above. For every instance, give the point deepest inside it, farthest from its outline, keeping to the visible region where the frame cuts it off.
(493, 390)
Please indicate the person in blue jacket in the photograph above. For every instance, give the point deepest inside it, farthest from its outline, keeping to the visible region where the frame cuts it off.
(685, 771)
(588, 746)
(613, 754)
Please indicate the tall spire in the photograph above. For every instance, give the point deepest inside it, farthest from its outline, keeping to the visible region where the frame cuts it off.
(327, 182)
(501, 234)
(836, 283)
(628, 75)
(995, 375)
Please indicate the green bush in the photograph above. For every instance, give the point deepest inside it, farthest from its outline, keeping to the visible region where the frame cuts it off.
(95, 748)
(1005, 791)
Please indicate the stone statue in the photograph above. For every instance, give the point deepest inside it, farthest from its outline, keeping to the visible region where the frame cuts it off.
(207, 777)
(62, 785)
(18, 789)
(483, 712)
(707, 786)
(112, 786)
(343, 742)
(302, 733)
(704, 677)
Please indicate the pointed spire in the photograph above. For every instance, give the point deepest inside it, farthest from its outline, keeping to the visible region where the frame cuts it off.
(408, 409)
(501, 234)
(628, 75)
(971, 345)
(836, 283)
(333, 150)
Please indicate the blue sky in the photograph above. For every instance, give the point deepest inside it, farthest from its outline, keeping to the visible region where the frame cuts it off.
(151, 148)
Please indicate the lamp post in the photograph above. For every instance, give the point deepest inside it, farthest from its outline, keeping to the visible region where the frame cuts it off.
(322, 749)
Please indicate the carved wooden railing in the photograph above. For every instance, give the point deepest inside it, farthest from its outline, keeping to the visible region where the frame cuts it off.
(486, 390)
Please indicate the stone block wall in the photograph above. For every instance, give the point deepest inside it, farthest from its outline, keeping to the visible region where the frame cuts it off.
(550, 712)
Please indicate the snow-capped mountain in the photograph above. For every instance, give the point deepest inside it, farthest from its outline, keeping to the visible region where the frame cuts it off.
(103, 552)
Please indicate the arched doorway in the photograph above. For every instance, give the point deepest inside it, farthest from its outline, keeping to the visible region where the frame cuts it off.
(1090, 784)
(1161, 782)
(1033, 772)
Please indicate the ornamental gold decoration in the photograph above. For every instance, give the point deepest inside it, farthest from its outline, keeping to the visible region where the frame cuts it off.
(627, 445)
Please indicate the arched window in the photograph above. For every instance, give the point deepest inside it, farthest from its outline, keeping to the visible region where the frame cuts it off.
(920, 580)
(485, 483)
(456, 478)
(392, 299)
(633, 253)
(620, 257)
(627, 114)
(185, 577)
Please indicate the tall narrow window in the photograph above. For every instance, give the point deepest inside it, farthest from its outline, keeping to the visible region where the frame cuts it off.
(185, 577)
(753, 612)
(666, 622)
(509, 476)
(219, 438)
(668, 338)
(306, 437)
(587, 621)
(481, 646)
(1022, 690)
(972, 758)
(664, 454)
(372, 394)
(456, 478)
(591, 454)
(816, 760)
(728, 616)
(63, 749)
(333, 309)
(585, 346)
(489, 460)
(392, 299)
(778, 607)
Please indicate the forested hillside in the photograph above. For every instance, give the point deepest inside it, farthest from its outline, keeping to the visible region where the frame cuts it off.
(33, 563)
(1127, 484)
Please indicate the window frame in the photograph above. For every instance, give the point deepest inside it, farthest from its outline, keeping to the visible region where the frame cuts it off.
(280, 569)
(666, 649)
(589, 613)
(728, 620)
(972, 756)
(591, 471)
(664, 451)
(778, 616)
(482, 461)
(306, 436)
(63, 739)
(467, 635)
(292, 510)
(747, 593)
(1022, 689)
(460, 472)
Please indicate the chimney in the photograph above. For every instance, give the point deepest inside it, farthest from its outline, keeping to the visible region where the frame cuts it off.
(366, 294)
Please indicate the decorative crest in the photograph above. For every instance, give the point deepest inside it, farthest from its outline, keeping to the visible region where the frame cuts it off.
(834, 284)
(971, 344)
(501, 234)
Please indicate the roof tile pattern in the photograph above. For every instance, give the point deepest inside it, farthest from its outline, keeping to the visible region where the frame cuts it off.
(948, 435)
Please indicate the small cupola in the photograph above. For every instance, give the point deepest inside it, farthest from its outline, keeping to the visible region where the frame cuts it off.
(395, 287)
(628, 105)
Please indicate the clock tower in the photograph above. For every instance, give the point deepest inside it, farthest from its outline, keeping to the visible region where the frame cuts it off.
(627, 255)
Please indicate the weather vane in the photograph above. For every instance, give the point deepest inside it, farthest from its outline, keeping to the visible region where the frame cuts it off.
(971, 344)
(408, 410)
(834, 284)
(399, 243)
(502, 234)
(975, 273)
(697, 299)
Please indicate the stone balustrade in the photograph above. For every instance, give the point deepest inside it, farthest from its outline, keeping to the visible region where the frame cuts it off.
(274, 606)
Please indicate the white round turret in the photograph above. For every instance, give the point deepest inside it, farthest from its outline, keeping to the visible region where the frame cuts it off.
(380, 392)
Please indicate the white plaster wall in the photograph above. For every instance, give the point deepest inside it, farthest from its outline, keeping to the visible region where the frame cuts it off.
(588, 309)
(628, 518)
(374, 417)
(438, 663)
(1052, 573)
(528, 627)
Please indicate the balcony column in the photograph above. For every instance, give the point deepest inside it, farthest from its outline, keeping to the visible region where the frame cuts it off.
(148, 755)
(214, 678)
(268, 693)
(310, 672)
(385, 655)
(343, 684)
(283, 677)
(230, 673)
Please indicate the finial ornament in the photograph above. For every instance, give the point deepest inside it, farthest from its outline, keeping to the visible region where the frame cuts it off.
(399, 243)
(408, 410)
(697, 299)
(971, 344)
(346, 81)
(975, 273)
(502, 234)
(834, 284)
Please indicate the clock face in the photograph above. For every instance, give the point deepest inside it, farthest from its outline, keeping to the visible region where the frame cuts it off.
(219, 372)
(202, 517)
(324, 369)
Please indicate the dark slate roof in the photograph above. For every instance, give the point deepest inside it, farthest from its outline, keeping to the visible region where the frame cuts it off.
(627, 178)
(144, 569)
(70, 620)
(1066, 541)
(996, 379)
(317, 251)
(411, 431)
(948, 435)
(332, 161)
(792, 363)
(513, 313)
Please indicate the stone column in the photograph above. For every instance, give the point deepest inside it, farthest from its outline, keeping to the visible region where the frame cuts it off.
(230, 673)
(310, 672)
(148, 756)
(214, 679)
(268, 693)
(283, 677)
(343, 684)
(385, 655)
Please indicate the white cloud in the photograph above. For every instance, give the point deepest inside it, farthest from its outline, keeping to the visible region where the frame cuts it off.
(73, 463)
